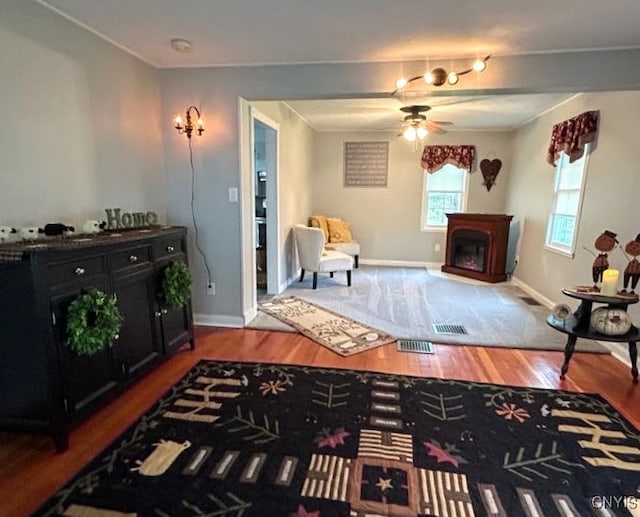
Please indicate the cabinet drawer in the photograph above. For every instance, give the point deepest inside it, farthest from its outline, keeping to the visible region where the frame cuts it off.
(76, 270)
(167, 247)
(130, 258)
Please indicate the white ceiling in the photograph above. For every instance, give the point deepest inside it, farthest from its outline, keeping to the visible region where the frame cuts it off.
(485, 113)
(251, 32)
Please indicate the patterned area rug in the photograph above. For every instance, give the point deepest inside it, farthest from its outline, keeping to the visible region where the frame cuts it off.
(338, 333)
(274, 440)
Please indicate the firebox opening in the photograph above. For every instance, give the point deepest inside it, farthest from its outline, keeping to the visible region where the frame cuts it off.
(470, 250)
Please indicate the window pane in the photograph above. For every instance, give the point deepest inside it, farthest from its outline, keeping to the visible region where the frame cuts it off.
(444, 191)
(568, 191)
(567, 203)
(571, 175)
(447, 178)
(441, 203)
(562, 228)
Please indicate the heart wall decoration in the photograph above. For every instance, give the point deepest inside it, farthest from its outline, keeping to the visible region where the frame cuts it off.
(490, 170)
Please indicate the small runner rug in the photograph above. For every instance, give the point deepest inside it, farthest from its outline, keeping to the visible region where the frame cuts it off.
(338, 333)
(273, 440)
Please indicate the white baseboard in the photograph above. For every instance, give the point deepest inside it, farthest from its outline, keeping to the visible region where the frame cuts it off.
(289, 281)
(399, 263)
(618, 350)
(218, 320)
(538, 296)
(249, 314)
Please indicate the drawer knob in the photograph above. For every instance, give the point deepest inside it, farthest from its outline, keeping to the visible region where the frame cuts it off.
(158, 314)
(79, 271)
(164, 311)
(170, 249)
(133, 259)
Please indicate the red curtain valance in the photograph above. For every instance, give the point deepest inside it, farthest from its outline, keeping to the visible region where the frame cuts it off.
(571, 136)
(434, 157)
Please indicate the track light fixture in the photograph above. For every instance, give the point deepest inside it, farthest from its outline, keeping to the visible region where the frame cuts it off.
(439, 76)
(187, 127)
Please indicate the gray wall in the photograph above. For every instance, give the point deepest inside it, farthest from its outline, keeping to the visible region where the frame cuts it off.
(217, 91)
(611, 196)
(386, 221)
(295, 178)
(80, 127)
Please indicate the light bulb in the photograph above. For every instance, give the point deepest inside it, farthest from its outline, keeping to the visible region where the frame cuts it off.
(452, 78)
(178, 121)
(401, 83)
(479, 65)
(200, 123)
(428, 78)
(410, 133)
(422, 133)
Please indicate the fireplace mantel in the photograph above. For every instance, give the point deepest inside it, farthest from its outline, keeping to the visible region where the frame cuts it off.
(488, 234)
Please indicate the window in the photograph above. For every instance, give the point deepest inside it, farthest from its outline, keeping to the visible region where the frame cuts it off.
(445, 192)
(568, 190)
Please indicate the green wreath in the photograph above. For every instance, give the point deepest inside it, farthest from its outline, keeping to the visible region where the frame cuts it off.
(176, 285)
(93, 322)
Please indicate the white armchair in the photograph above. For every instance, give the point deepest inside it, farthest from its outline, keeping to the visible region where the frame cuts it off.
(337, 235)
(313, 257)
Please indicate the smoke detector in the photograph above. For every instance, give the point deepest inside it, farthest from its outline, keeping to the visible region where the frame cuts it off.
(181, 45)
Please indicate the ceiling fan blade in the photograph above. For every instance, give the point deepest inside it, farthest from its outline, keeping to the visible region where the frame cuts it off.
(437, 130)
(441, 122)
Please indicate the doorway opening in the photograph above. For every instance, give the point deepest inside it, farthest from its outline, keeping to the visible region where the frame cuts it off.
(265, 224)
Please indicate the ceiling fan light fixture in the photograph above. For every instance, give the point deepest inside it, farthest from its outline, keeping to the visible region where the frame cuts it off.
(422, 133)
(439, 76)
(479, 65)
(401, 83)
(410, 134)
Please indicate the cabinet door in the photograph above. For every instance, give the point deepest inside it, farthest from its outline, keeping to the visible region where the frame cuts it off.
(138, 347)
(176, 324)
(176, 328)
(86, 379)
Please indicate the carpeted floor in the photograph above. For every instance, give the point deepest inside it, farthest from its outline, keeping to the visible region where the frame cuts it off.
(405, 302)
(279, 441)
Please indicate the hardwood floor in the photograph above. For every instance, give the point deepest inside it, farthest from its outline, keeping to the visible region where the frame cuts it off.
(30, 470)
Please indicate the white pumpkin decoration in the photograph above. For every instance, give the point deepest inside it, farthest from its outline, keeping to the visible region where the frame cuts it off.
(610, 321)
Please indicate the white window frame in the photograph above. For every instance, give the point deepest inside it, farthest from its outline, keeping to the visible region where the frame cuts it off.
(555, 248)
(425, 191)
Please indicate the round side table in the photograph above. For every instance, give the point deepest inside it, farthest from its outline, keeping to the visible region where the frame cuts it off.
(578, 325)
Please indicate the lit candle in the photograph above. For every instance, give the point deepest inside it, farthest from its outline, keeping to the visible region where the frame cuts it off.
(610, 282)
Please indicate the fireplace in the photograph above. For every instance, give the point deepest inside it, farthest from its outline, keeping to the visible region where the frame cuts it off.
(477, 246)
(470, 250)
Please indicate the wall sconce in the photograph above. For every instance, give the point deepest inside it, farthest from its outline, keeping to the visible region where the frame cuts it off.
(188, 126)
(439, 76)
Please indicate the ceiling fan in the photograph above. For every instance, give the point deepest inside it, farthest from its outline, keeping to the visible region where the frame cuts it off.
(415, 125)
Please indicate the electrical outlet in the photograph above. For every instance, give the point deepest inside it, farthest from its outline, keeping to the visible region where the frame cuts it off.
(211, 289)
(437, 248)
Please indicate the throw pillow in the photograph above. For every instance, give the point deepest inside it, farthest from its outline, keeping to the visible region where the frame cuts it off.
(320, 221)
(339, 231)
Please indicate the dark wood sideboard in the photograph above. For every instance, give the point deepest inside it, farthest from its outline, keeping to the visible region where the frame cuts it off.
(44, 386)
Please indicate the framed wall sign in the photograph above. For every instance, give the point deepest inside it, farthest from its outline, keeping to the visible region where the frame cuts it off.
(366, 164)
